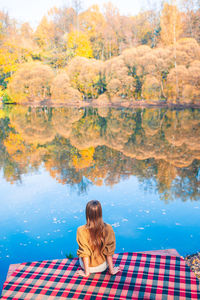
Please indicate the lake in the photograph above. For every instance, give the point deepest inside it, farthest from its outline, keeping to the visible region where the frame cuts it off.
(143, 165)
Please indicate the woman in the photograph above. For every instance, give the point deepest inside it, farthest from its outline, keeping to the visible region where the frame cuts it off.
(96, 242)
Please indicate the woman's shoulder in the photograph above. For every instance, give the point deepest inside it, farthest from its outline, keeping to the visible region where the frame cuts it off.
(108, 227)
(82, 228)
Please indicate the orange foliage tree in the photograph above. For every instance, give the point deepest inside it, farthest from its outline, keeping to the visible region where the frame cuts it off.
(171, 25)
(62, 91)
(85, 75)
(31, 83)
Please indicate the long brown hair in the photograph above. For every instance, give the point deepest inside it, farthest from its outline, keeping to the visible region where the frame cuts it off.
(95, 224)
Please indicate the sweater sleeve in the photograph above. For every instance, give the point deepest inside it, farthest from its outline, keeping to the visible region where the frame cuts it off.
(84, 249)
(110, 242)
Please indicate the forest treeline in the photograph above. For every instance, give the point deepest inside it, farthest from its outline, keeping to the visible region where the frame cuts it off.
(85, 146)
(75, 55)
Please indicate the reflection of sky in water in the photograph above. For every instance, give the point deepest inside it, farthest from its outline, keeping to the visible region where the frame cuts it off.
(38, 219)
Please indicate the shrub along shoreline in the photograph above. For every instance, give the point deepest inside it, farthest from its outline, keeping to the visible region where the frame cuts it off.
(166, 75)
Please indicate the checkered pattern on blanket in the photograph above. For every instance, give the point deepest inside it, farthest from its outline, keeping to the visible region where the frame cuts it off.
(143, 276)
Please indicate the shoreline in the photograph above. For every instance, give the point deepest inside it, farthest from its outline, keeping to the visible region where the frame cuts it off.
(136, 104)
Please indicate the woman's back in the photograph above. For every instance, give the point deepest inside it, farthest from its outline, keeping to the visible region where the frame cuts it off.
(96, 257)
(96, 241)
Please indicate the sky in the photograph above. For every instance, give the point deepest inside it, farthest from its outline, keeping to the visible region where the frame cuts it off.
(33, 10)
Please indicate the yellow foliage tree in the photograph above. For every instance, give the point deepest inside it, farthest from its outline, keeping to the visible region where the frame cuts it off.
(93, 23)
(17, 47)
(79, 44)
(8, 60)
(171, 25)
(12, 54)
(44, 33)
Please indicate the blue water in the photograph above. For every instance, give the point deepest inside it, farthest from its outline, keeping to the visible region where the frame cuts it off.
(143, 166)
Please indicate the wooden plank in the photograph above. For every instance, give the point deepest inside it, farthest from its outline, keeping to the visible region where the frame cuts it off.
(170, 252)
(11, 269)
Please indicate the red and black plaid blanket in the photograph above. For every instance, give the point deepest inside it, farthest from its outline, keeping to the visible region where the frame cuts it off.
(142, 276)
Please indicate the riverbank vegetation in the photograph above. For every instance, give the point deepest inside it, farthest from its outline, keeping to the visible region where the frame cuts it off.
(76, 55)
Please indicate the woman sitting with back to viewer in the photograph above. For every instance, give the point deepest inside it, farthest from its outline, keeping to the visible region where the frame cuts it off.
(96, 242)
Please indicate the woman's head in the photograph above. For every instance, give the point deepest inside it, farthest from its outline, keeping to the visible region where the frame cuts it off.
(93, 212)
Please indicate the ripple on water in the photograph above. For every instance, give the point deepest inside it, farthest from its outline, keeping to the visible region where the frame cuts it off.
(116, 224)
(124, 220)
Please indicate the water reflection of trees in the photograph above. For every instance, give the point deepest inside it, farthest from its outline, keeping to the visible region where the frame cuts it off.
(87, 146)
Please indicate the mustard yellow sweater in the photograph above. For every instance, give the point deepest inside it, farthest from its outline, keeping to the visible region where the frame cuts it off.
(84, 250)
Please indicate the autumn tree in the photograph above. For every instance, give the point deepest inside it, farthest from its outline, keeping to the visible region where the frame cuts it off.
(86, 76)
(7, 25)
(112, 31)
(17, 47)
(77, 6)
(118, 81)
(45, 34)
(191, 18)
(31, 83)
(136, 64)
(191, 89)
(146, 28)
(187, 50)
(171, 25)
(93, 23)
(151, 88)
(8, 63)
(62, 91)
(179, 83)
(172, 90)
(63, 20)
(79, 45)
(171, 29)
